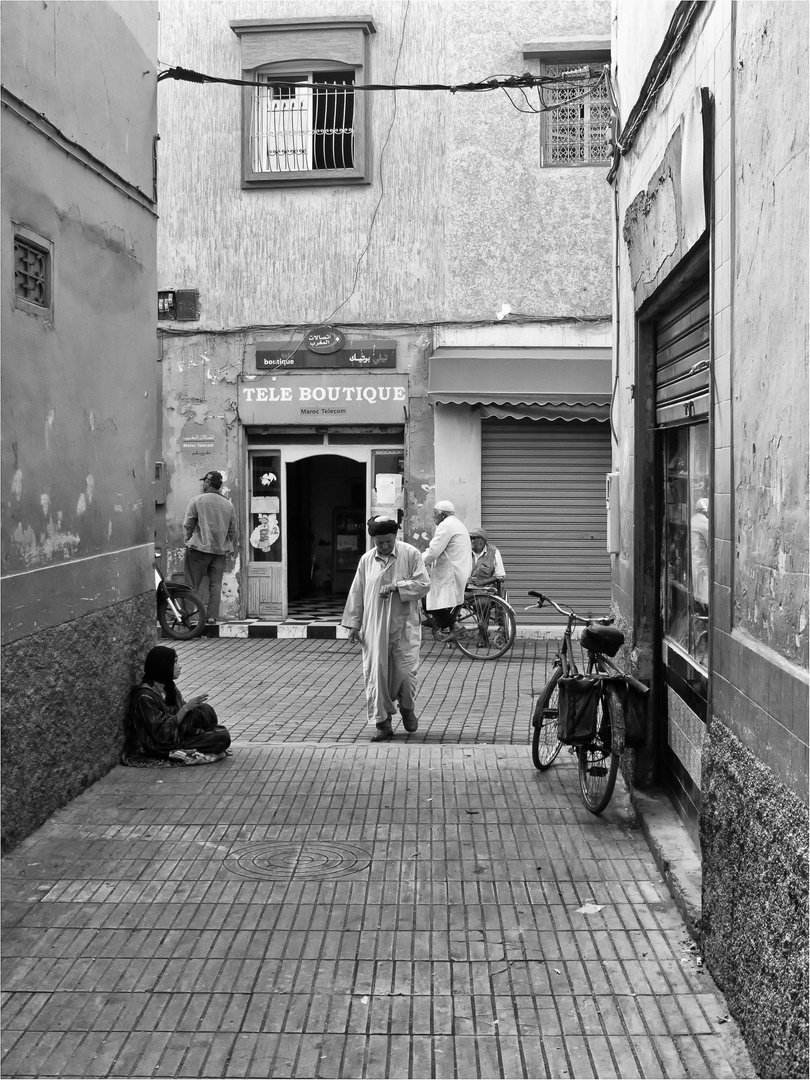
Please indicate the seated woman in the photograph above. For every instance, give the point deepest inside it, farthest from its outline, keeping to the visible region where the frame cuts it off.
(162, 725)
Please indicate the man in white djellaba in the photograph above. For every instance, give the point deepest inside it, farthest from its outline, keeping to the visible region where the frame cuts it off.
(382, 613)
(449, 562)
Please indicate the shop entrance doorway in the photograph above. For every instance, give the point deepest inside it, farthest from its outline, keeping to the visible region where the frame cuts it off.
(326, 533)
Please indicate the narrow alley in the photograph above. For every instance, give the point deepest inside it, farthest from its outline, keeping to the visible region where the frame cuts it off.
(318, 906)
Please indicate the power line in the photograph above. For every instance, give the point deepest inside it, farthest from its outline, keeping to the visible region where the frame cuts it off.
(504, 82)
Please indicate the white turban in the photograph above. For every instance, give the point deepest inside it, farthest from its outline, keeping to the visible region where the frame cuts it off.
(444, 506)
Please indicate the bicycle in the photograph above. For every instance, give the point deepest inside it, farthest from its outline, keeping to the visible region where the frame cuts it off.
(484, 627)
(598, 755)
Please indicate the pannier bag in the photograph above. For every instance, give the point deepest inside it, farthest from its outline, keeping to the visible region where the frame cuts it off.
(579, 702)
(602, 639)
(630, 728)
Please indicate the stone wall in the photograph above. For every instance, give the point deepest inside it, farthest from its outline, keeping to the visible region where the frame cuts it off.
(64, 693)
(754, 925)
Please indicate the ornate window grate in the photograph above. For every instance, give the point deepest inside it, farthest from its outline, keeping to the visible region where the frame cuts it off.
(32, 273)
(575, 125)
(304, 125)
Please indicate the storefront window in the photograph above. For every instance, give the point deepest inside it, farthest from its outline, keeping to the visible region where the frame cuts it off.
(686, 539)
(265, 508)
(387, 495)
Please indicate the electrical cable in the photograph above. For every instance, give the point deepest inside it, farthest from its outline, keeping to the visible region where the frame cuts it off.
(182, 74)
(380, 171)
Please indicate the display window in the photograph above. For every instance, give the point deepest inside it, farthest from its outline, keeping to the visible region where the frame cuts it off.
(685, 556)
(265, 508)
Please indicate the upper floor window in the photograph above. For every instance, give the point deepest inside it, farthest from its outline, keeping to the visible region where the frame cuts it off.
(33, 272)
(577, 116)
(576, 121)
(304, 123)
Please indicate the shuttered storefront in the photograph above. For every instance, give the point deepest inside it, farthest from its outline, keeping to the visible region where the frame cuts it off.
(682, 358)
(543, 500)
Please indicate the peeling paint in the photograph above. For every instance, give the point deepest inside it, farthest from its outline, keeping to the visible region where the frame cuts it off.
(16, 485)
(81, 505)
(91, 487)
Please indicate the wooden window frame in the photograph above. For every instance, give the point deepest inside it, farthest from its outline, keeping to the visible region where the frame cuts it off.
(293, 47)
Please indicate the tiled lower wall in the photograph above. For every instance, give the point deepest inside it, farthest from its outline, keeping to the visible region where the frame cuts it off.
(764, 701)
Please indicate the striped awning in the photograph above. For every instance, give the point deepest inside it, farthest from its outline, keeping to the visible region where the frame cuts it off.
(569, 378)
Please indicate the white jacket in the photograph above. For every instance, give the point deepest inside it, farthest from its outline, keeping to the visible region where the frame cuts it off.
(449, 562)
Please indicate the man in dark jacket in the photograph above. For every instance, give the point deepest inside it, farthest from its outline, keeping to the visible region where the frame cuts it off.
(210, 529)
(487, 562)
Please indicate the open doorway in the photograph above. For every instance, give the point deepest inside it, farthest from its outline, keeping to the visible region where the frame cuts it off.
(326, 532)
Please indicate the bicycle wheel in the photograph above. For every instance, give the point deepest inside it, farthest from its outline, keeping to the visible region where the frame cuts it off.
(191, 620)
(486, 627)
(597, 764)
(545, 744)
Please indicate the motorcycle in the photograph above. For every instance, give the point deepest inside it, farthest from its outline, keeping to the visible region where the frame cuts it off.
(180, 612)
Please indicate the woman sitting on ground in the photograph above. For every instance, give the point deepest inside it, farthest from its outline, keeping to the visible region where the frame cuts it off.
(161, 724)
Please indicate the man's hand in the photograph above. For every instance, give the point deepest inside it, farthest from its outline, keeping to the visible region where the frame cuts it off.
(198, 699)
(355, 637)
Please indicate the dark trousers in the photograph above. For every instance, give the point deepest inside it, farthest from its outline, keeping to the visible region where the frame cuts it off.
(202, 731)
(203, 565)
(444, 617)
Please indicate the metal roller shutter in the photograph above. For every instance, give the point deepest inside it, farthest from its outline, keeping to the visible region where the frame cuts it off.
(543, 500)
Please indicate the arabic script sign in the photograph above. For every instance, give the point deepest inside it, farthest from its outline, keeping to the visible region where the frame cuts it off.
(349, 353)
(324, 340)
(323, 398)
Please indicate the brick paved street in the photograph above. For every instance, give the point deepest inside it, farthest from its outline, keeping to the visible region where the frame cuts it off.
(320, 906)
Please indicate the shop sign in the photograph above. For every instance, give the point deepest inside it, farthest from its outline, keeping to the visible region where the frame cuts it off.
(324, 340)
(196, 441)
(323, 399)
(332, 351)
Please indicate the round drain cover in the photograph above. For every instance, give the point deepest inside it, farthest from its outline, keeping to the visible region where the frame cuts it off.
(278, 860)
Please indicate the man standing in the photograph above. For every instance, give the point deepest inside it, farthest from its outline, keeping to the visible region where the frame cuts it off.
(209, 528)
(449, 561)
(487, 562)
(382, 613)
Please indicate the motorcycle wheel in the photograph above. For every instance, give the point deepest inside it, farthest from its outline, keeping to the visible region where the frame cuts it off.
(190, 621)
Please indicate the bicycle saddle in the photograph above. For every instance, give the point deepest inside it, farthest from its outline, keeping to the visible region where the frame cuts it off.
(602, 639)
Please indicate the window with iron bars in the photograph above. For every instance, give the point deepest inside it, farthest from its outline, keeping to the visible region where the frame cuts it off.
(577, 118)
(304, 124)
(33, 273)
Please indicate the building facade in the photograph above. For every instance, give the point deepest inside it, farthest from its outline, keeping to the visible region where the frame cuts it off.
(711, 199)
(79, 122)
(373, 299)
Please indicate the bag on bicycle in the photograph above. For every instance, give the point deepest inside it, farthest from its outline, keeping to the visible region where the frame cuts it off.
(633, 701)
(579, 700)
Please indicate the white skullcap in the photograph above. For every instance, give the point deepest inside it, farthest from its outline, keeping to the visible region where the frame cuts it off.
(444, 506)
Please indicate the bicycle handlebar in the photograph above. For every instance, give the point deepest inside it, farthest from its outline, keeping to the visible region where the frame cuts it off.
(569, 614)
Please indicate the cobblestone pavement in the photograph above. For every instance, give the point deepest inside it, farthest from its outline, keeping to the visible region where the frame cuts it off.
(321, 906)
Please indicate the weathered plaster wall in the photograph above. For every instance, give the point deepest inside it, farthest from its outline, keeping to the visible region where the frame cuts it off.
(78, 406)
(90, 68)
(770, 381)
(752, 825)
(62, 721)
(755, 755)
(468, 219)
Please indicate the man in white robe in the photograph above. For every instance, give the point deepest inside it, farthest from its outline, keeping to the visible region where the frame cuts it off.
(449, 562)
(382, 613)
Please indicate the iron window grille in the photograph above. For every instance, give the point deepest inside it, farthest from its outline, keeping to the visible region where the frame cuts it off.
(33, 272)
(303, 125)
(576, 122)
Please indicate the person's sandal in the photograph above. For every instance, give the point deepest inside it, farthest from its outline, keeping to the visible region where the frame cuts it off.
(384, 731)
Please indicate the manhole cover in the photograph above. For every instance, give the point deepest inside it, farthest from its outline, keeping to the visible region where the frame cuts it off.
(279, 860)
